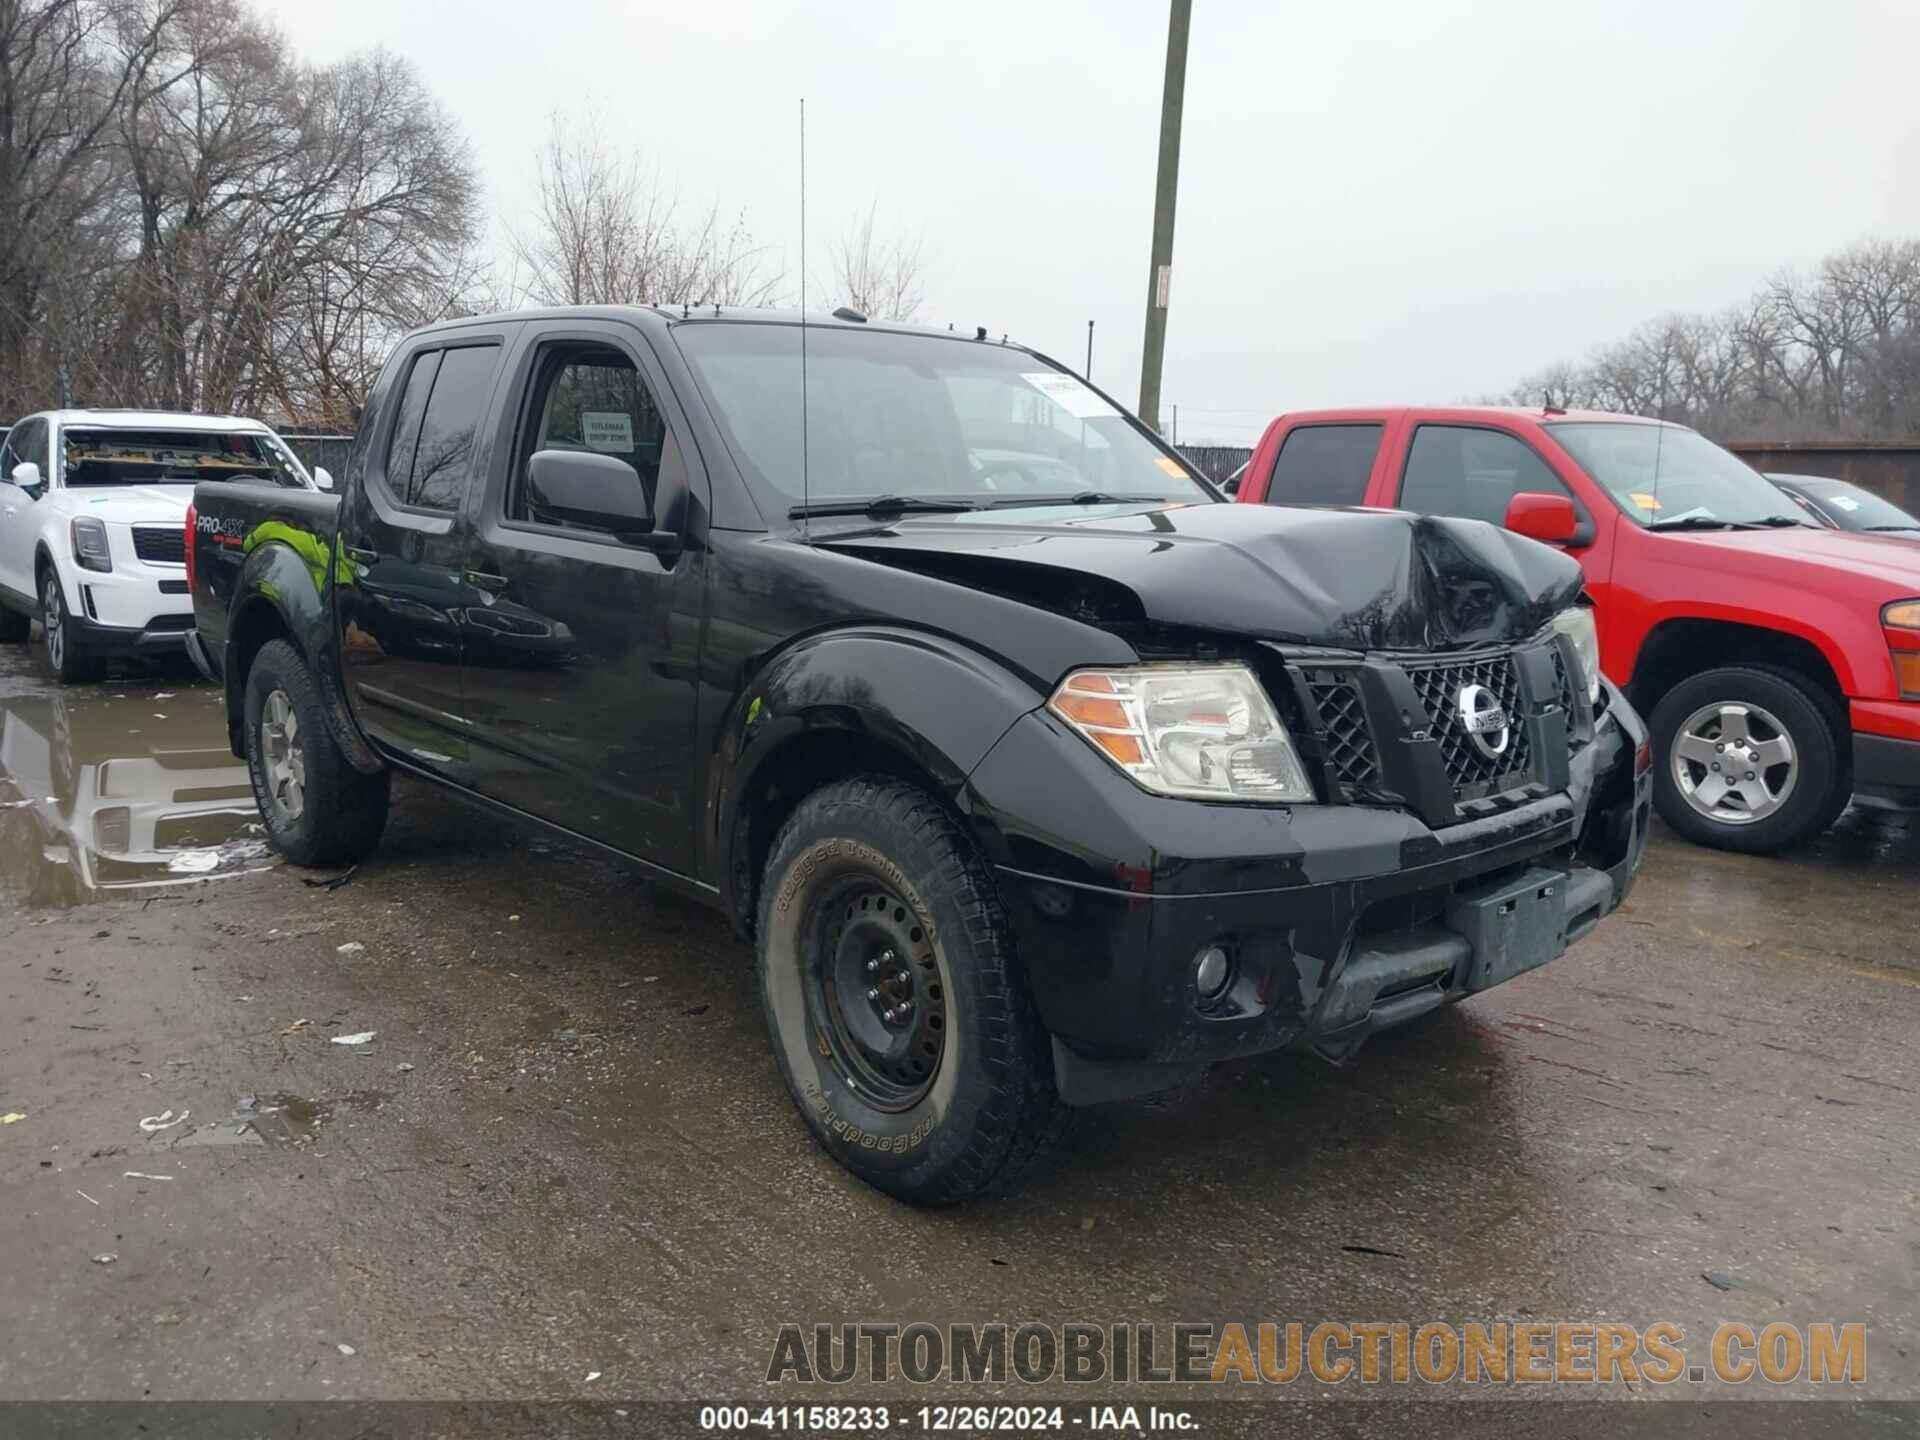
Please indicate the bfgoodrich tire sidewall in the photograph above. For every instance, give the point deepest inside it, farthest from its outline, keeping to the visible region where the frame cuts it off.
(875, 1143)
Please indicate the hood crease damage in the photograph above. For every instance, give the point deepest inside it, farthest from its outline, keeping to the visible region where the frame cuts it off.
(1346, 578)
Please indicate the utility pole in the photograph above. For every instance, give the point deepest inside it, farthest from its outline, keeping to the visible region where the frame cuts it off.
(1160, 275)
(1089, 352)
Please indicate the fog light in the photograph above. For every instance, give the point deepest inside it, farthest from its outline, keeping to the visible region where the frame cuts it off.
(1211, 971)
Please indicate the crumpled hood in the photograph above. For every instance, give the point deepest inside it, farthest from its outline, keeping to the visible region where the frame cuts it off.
(133, 504)
(1356, 579)
(1798, 556)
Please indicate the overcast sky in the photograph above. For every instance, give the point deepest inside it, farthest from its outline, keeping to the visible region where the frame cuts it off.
(1379, 202)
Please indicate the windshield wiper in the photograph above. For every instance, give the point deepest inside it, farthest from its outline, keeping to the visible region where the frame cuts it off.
(1904, 529)
(1693, 522)
(880, 505)
(1776, 522)
(1084, 497)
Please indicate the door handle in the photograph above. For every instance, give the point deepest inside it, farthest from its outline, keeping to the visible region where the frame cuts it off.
(360, 556)
(484, 581)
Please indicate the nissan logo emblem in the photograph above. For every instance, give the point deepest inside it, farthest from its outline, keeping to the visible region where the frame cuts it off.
(1484, 719)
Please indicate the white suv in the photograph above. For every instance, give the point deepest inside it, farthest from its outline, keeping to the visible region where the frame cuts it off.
(93, 507)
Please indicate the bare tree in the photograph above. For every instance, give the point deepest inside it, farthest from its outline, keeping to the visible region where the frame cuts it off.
(64, 68)
(190, 218)
(881, 277)
(607, 231)
(1833, 353)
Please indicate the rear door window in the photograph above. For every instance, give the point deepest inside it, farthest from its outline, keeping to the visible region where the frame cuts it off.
(443, 458)
(406, 425)
(1325, 465)
(1464, 471)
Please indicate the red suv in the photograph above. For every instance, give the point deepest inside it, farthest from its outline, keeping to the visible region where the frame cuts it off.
(1778, 663)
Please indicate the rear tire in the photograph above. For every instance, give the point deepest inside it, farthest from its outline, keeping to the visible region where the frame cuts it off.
(66, 661)
(14, 627)
(318, 809)
(899, 1015)
(1782, 776)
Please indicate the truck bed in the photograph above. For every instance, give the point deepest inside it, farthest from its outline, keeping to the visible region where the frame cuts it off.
(230, 520)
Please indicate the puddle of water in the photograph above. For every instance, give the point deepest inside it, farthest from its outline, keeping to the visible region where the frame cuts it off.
(109, 791)
(287, 1119)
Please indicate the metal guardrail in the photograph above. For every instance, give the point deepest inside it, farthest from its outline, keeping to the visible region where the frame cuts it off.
(315, 451)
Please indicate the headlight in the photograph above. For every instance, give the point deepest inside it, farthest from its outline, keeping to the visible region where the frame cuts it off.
(1900, 623)
(1204, 731)
(89, 539)
(1577, 625)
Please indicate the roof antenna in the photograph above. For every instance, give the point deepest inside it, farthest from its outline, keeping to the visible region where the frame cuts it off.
(805, 488)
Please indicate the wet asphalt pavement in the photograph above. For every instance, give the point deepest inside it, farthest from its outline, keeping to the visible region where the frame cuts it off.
(566, 1149)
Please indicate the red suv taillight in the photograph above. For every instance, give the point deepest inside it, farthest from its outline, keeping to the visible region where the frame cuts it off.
(191, 517)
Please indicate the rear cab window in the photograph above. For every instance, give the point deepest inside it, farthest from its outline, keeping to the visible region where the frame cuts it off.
(430, 452)
(1325, 465)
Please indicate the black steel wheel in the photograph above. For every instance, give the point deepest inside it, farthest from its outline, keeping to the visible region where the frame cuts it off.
(899, 1016)
(875, 992)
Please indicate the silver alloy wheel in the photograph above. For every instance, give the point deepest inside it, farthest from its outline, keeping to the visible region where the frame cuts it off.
(1734, 762)
(283, 756)
(54, 621)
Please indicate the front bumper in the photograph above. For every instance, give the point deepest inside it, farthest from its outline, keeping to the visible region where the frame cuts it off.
(1886, 771)
(1341, 919)
(161, 636)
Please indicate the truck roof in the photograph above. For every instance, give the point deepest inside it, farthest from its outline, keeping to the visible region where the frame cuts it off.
(695, 314)
(1468, 412)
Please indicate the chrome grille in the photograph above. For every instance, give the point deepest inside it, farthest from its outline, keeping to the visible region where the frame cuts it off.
(1438, 685)
(1343, 720)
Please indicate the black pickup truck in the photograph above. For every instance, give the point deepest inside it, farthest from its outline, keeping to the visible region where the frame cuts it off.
(1039, 776)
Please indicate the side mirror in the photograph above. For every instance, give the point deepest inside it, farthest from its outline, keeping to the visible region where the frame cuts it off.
(27, 476)
(322, 477)
(1551, 518)
(589, 489)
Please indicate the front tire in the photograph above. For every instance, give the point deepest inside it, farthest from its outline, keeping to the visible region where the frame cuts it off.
(1748, 758)
(318, 809)
(899, 1016)
(66, 661)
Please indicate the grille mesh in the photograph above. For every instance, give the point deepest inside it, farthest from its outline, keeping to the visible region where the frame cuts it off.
(1438, 685)
(1344, 719)
(1562, 685)
(159, 545)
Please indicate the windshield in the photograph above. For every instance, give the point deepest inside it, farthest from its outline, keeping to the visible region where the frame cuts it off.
(1664, 475)
(919, 418)
(174, 457)
(1852, 508)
